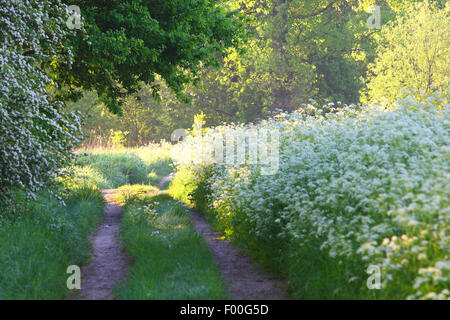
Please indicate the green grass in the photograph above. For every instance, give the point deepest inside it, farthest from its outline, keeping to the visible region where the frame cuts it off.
(129, 193)
(170, 260)
(115, 168)
(40, 238)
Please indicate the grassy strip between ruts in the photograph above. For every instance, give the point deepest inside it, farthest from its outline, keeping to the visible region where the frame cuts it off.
(170, 260)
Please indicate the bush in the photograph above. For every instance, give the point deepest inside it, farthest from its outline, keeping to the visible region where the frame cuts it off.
(353, 189)
(36, 137)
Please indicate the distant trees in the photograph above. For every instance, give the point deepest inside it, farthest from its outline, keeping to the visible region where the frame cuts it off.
(300, 50)
(412, 53)
(297, 50)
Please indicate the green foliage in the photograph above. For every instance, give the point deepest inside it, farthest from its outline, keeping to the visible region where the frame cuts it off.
(118, 138)
(77, 177)
(131, 193)
(412, 53)
(127, 43)
(170, 260)
(40, 238)
(353, 189)
(117, 167)
(294, 54)
(298, 50)
(36, 136)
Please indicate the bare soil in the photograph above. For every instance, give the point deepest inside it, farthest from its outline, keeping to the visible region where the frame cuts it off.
(108, 265)
(165, 179)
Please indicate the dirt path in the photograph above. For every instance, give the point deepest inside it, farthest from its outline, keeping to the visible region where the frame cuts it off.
(245, 279)
(108, 262)
(165, 179)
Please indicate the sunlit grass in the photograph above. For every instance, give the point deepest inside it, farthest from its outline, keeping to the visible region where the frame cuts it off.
(128, 193)
(122, 166)
(170, 260)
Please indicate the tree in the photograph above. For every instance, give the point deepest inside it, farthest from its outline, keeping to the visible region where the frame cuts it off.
(133, 41)
(413, 53)
(120, 46)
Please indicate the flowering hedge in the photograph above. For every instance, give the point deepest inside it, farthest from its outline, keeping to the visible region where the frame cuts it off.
(353, 189)
(36, 137)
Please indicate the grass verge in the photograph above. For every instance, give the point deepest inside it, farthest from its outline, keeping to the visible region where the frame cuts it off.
(38, 244)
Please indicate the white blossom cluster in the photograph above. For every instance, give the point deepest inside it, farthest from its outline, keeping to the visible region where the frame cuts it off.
(36, 137)
(370, 186)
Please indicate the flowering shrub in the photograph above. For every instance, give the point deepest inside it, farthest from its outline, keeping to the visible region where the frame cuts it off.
(36, 137)
(353, 189)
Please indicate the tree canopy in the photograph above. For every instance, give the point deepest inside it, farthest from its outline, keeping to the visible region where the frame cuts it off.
(412, 53)
(295, 51)
(131, 42)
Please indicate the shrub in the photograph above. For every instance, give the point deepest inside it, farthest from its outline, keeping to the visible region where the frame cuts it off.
(36, 137)
(353, 189)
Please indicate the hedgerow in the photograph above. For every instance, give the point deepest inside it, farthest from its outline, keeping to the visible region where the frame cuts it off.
(353, 189)
(36, 136)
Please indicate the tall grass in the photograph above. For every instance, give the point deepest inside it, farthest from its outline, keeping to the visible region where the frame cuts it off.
(40, 238)
(122, 166)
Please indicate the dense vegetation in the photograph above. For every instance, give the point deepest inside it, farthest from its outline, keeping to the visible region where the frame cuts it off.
(36, 136)
(353, 189)
(359, 174)
(118, 167)
(40, 239)
(50, 201)
(298, 50)
(118, 46)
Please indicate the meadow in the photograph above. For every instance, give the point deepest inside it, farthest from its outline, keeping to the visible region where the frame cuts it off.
(115, 167)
